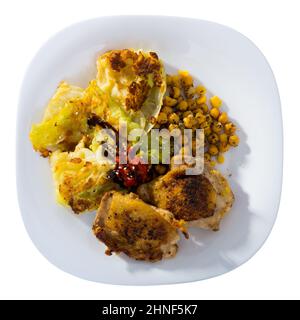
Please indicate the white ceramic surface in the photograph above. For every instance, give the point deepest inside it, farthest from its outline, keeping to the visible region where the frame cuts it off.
(230, 66)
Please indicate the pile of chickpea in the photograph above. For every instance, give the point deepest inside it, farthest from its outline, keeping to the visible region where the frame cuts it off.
(187, 107)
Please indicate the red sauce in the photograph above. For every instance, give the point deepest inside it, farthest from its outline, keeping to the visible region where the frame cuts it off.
(132, 174)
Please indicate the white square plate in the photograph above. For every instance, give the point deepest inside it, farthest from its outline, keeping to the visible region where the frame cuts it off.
(230, 66)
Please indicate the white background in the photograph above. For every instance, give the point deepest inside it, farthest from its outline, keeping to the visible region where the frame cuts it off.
(274, 272)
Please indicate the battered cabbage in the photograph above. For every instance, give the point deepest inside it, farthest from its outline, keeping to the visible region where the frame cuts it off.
(80, 180)
(135, 80)
(66, 118)
(64, 93)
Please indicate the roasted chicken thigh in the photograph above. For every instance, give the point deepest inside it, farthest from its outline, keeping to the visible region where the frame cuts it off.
(127, 224)
(201, 200)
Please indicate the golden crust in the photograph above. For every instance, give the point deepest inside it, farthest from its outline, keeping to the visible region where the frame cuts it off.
(126, 224)
(141, 63)
(116, 61)
(195, 196)
(80, 181)
(144, 70)
(201, 200)
(138, 92)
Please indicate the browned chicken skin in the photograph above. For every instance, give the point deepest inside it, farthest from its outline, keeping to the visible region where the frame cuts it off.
(201, 200)
(127, 224)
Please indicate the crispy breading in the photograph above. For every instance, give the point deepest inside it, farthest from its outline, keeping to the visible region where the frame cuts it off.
(80, 180)
(137, 94)
(135, 80)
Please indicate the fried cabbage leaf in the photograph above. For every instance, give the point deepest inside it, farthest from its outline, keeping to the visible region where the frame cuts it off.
(64, 121)
(67, 114)
(80, 180)
(135, 81)
(64, 93)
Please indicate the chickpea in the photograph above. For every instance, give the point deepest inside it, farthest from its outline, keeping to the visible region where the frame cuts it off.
(204, 107)
(189, 121)
(223, 118)
(213, 150)
(215, 102)
(234, 140)
(173, 126)
(191, 104)
(160, 169)
(167, 110)
(223, 137)
(173, 118)
(213, 138)
(230, 128)
(175, 81)
(169, 102)
(208, 119)
(207, 156)
(186, 79)
(190, 92)
(175, 92)
(214, 112)
(220, 158)
(195, 111)
(186, 113)
(207, 131)
(182, 106)
(201, 99)
(224, 147)
(217, 127)
(162, 118)
(200, 117)
(204, 125)
(200, 90)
